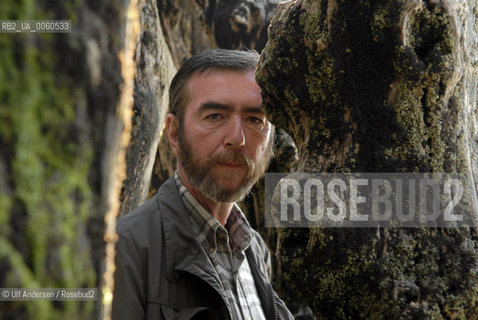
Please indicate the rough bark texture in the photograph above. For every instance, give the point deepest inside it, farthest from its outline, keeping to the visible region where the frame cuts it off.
(237, 24)
(154, 71)
(378, 86)
(58, 135)
(183, 29)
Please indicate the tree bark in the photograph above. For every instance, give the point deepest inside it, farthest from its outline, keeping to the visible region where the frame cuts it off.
(154, 72)
(238, 24)
(59, 137)
(385, 86)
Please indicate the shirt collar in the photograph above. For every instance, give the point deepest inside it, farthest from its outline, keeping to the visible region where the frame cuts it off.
(209, 231)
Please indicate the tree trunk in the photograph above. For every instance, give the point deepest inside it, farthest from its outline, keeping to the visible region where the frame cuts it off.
(154, 72)
(378, 86)
(59, 138)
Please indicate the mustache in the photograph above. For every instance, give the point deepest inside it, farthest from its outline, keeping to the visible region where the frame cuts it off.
(238, 158)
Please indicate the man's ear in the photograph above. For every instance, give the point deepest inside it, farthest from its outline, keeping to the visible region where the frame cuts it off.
(172, 126)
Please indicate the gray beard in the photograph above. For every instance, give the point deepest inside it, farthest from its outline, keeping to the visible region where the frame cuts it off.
(201, 177)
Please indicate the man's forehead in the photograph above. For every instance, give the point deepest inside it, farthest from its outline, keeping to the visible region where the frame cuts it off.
(200, 78)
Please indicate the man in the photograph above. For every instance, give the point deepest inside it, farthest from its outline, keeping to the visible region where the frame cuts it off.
(189, 252)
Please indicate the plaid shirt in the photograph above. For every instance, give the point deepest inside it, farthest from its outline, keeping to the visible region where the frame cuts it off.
(225, 247)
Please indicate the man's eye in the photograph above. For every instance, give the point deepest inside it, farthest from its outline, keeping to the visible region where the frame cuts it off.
(256, 120)
(214, 116)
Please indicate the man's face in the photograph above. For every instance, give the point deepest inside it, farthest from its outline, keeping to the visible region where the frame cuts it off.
(225, 140)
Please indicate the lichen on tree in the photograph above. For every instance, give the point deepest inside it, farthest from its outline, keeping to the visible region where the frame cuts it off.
(378, 86)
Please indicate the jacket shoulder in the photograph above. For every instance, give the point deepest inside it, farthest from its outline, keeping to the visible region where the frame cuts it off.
(144, 225)
(142, 212)
(141, 216)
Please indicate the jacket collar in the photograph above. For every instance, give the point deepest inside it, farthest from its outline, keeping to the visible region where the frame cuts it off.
(183, 252)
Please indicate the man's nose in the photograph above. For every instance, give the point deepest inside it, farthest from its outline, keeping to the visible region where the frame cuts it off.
(234, 138)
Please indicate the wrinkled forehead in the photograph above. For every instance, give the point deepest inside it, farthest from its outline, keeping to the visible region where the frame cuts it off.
(238, 83)
(207, 72)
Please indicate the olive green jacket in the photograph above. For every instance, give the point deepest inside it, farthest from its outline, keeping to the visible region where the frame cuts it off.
(162, 272)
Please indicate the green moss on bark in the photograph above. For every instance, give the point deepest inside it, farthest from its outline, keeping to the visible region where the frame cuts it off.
(44, 237)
